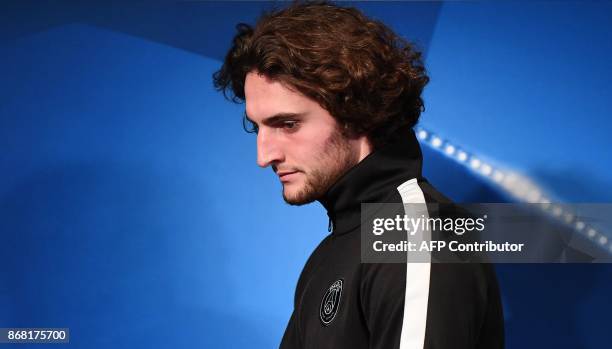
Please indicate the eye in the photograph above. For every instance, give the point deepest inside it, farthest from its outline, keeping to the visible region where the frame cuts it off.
(289, 125)
(249, 126)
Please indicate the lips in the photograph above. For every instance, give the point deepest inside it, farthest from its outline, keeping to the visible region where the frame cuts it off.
(286, 175)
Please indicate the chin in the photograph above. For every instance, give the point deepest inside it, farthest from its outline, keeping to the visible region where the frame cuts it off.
(294, 195)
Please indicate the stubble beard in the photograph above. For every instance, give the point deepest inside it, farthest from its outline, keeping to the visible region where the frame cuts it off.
(336, 158)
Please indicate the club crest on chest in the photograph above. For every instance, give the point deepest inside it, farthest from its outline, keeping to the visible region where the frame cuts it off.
(331, 302)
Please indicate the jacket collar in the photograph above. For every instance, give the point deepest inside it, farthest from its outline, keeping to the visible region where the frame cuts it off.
(372, 180)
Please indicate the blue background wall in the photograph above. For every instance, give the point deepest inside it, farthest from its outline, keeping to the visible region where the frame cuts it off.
(132, 210)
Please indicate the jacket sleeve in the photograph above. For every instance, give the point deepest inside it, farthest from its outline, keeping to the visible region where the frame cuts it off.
(382, 301)
(291, 337)
(432, 306)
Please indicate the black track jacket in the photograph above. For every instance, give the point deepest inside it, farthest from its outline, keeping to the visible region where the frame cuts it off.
(343, 303)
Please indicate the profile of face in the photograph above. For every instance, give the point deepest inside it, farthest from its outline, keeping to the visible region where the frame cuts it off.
(298, 138)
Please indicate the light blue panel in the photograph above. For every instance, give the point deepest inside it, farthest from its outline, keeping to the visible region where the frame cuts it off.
(133, 211)
(528, 84)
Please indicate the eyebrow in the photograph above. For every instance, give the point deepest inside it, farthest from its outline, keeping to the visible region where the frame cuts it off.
(276, 118)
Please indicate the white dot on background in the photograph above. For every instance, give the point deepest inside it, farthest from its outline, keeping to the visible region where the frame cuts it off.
(422, 134)
(520, 189)
(486, 169)
(591, 233)
(475, 163)
(436, 142)
(533, 196)
(462, 156)
(498, 176)
(510, 180)
(603, 240)
(580, 225)
(450, 150)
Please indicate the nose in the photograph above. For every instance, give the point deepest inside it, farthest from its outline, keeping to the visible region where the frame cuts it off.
(268, 151)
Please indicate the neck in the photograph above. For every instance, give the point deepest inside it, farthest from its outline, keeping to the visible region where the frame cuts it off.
(362, 146)
(377, 174)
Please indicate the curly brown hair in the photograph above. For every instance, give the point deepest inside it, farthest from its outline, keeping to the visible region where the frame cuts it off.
(356, 68)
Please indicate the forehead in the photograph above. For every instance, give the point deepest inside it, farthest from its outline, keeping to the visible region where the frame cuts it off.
(265, 97)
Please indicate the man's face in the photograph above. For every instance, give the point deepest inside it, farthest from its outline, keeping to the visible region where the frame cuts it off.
(298, 138)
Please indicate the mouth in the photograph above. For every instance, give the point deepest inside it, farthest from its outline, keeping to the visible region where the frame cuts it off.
(286, 176)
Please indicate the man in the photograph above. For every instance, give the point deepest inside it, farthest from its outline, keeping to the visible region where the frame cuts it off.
(333, 97)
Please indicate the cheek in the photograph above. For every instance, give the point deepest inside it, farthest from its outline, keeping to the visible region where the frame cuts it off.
(314, 147)
(308, 149)
(315, 138)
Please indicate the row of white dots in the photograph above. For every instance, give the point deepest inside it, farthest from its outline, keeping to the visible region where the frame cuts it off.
(579, 225)
(516, 185)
